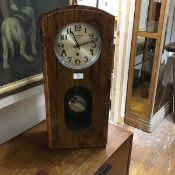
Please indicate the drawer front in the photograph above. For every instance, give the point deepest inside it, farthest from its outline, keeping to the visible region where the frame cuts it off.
(118, 163)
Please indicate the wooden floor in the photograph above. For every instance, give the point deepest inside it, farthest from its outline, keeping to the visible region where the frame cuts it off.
(154, 154)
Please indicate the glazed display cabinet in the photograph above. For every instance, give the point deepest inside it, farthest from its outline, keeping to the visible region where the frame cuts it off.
(149, 92)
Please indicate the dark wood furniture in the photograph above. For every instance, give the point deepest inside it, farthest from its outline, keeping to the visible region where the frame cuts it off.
(29, 154)
(58, 79)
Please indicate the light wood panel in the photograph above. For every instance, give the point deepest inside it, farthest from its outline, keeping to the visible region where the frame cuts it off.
(148, 35)
(133, 54)
(159, 36)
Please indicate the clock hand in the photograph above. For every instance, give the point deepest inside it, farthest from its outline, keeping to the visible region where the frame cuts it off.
(87, 42)
(74, 39)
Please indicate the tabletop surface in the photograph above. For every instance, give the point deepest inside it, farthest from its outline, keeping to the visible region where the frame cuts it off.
(28, 154)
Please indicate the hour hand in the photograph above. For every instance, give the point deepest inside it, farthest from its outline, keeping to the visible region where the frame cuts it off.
(75, 40)
(87, 42)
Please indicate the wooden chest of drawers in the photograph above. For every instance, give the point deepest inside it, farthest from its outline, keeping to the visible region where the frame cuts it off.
(28, 154)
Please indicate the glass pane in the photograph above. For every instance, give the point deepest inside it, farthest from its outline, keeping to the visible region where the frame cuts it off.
(149, 15)
(165, 79)
(142, 75)
(165, 82)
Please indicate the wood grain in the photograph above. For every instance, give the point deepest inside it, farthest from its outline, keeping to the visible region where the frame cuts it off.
(147, 35)
(147, 116)
(133, 54)
(58, 79)
(28, 154)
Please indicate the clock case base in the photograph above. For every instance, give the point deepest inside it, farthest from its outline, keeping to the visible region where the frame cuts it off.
(58, 79)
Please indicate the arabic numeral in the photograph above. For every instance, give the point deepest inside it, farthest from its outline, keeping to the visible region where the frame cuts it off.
(77, 28)
(91, 35)
(77, 62)
(69, 58)
(69, 30)
(86, 59)
(63, 54)
(91, 52)
(93, 45)
(61, 45)
(63, 37)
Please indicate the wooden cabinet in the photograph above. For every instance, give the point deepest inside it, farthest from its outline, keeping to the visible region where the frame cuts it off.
(29, 154)
(145, 74)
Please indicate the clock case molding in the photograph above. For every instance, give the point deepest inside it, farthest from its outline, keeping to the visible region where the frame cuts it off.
(58, 79)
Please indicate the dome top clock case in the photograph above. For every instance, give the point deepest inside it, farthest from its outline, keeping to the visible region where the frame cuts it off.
(77, 53)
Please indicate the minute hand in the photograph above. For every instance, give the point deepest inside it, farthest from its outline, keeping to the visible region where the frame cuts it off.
(87, 42)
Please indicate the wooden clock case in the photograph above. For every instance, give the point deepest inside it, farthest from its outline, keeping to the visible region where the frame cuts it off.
(58, 79)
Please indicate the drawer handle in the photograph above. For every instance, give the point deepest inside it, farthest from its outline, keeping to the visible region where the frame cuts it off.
(105, 169)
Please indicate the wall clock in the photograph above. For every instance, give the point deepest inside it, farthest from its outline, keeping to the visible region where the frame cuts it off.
(77, 53)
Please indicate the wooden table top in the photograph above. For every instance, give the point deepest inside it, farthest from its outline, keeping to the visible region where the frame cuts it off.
(28, 154)
(170, 47)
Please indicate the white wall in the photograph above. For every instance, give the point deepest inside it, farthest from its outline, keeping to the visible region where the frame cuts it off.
(87, 2)
(109, 6)
(106, 5)
(122, 58)
(20, 112)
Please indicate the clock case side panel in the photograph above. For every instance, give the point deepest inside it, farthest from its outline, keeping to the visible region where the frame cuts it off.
(97, 78)
(47, 93)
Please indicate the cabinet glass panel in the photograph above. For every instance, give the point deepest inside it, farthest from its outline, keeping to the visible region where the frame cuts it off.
(142, 75)
(165, 78)
(165, 81)
(149, 15)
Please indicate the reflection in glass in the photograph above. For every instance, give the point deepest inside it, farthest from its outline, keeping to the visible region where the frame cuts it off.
(149, 17)
(165, 78)
(165, 81)
(142, 75)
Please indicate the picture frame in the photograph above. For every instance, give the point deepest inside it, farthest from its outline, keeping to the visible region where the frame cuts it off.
(20, 63)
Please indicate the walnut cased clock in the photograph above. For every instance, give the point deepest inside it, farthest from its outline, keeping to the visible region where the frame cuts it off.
(77, 53)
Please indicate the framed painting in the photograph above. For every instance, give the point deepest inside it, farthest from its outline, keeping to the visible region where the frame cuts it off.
(20, 62)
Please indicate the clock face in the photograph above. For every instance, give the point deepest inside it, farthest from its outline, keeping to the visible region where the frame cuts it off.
(78, 45)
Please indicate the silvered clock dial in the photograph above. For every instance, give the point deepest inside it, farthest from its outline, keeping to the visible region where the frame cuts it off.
(78, 45)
